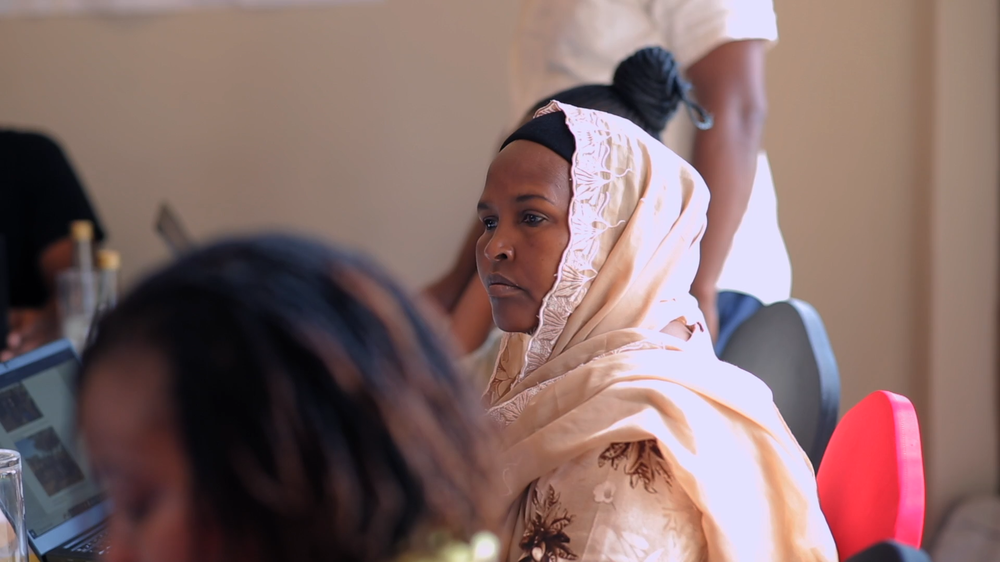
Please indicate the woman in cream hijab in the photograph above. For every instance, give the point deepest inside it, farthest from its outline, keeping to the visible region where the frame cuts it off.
(624, 437)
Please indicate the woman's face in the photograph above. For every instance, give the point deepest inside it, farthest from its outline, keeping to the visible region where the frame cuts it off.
(525, 209)
(129, 430)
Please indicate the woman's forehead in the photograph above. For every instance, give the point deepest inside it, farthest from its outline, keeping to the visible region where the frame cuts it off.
(528, 164)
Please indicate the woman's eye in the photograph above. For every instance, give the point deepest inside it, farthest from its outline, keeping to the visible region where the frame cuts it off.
(490, 223)
(533, 219)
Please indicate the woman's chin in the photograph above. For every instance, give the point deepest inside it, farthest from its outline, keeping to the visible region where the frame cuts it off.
(514, 323)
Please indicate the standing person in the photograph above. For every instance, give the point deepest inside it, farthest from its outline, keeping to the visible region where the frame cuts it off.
(40, 196)
(720, 46)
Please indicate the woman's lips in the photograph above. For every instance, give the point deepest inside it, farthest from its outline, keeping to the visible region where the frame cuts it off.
(498, 286)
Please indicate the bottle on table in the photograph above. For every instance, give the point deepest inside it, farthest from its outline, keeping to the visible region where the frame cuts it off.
(108, 265)
(82, 233)
(78, 286)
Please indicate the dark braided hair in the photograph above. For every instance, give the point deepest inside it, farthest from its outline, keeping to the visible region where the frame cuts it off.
(647, 89)
(321, 415)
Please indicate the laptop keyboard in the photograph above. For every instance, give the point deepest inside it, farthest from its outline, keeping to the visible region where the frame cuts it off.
(94, 544)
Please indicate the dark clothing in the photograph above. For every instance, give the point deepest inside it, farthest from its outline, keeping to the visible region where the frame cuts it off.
(549, 130)
(890, 551)
(734, 309)
(39, 197)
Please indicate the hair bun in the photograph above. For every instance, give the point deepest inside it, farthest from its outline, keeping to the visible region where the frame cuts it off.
(651, 81)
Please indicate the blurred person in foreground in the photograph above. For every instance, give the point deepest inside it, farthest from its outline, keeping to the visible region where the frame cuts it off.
(272, 399)
(40, 195)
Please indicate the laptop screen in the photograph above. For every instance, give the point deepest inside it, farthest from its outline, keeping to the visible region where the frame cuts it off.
(37, 411)
(169, 226)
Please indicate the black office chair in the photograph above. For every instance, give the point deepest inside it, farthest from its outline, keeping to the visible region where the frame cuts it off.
(891, 552)
(785, 345)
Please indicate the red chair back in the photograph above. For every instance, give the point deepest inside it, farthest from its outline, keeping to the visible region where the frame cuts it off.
(871, 480)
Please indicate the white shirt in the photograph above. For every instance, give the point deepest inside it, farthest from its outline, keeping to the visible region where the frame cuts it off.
(560, 44)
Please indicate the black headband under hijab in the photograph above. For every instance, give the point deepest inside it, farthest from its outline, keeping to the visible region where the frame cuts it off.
(549, 130)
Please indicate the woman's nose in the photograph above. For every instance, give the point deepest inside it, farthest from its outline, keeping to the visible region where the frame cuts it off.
(499, 247)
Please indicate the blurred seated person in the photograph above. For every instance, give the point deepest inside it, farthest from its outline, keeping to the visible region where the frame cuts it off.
(647, 89)
(40, 196)
(269, 399)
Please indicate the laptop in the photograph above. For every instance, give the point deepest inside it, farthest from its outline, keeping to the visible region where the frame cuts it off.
(65, 510)
(169, 227)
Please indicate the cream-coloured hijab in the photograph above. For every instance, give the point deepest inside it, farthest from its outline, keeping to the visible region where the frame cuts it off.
(599, 369)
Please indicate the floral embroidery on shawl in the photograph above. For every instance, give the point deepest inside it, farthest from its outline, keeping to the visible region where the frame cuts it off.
(642, 461)
(544, 537)
(591, 178)
(502, 380)
(507, 412)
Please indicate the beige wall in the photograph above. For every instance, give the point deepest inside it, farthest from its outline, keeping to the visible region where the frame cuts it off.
(846, 108)
(884, 140)
(373, 125)
(963, 205)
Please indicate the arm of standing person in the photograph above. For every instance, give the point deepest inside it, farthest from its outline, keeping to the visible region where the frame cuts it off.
(460, 294)
(448, 289)
(467, 305)
(472, 318)
(729, 83)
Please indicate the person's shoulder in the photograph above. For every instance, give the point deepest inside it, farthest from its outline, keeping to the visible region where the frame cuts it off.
(714, 5)
(28, 142)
